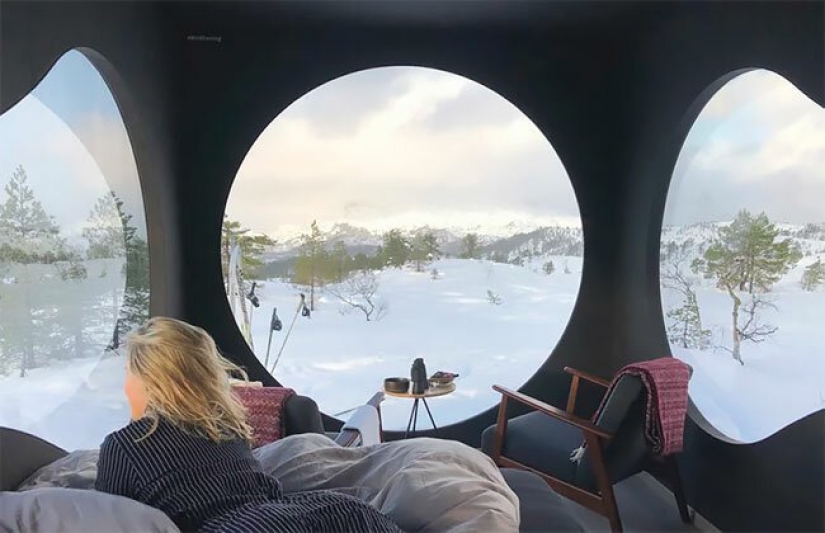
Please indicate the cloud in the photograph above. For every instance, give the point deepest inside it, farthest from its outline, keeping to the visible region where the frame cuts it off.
(63, 175)
(435, 144)
(761, 148)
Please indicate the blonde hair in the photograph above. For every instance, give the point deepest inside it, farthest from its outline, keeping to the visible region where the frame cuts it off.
(186, 379)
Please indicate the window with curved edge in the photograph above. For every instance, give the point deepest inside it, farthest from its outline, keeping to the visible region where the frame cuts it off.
(742, 251)
(420, 215)
(74, 271)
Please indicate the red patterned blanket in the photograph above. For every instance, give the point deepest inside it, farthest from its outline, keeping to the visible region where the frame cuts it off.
(264, 411)
(666, 380)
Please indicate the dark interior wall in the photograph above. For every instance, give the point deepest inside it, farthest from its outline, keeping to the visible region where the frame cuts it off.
(613, 86)
(263, 63)
(686, 57)
(614, 99)
(124, 40)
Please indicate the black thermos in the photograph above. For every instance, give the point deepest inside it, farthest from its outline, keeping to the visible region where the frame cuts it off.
(418, 375)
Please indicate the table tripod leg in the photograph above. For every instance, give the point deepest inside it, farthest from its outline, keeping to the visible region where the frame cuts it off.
(429, 413)
(410, 422)
(415, 419)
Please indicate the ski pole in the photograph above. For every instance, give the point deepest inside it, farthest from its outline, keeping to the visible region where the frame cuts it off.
(301, 305)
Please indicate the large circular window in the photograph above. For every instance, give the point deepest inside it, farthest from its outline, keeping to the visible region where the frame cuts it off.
(420, 215)
(73, 274)
(742, 272)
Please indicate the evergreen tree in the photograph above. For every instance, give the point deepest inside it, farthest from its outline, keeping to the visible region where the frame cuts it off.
(498, 257)
(133, 310)
(341, 262)
(746, 257)
(105, 229)
(685, 328)
(470, 246)
(396, 249)
(311, 263)
(424, 249)
(252, 248)
(29, 237)
(27, 234)
(813, 276)
(362, 262)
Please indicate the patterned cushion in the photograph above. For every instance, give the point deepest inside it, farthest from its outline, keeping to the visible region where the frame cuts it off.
(264, 411)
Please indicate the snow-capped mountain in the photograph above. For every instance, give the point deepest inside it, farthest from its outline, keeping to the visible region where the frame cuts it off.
(695, 238)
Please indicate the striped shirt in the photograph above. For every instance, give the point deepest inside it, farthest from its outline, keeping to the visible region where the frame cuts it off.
(207, 486)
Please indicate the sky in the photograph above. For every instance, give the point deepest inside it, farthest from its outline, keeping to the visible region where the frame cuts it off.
(758, 144)
(70, 138)
(409, 146)
(414, 146)
(400, 145)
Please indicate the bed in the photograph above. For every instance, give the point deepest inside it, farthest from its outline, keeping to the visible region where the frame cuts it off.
(423, 484)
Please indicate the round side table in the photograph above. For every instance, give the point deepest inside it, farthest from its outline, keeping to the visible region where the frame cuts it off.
(432, 392)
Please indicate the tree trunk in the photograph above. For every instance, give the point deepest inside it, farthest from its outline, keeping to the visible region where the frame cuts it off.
(737, 338)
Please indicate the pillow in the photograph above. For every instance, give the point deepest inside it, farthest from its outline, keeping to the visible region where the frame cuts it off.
(57, 510)
(76, 470)
(264, 411)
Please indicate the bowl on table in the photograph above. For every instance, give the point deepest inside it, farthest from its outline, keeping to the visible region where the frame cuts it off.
(397, 385)
(441, 379)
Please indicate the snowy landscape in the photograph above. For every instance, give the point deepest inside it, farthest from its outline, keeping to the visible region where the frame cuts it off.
(460, 244)
(450, 320)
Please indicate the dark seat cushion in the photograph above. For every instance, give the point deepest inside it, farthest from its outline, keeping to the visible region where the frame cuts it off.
(538, 441)
(301, 415)
(541, 508)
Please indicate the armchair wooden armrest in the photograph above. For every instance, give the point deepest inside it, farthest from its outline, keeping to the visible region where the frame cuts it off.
(574, 385)
(349, 438)
(555, 412)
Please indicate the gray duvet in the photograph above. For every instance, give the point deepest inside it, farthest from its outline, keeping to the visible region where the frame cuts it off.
(423, 484)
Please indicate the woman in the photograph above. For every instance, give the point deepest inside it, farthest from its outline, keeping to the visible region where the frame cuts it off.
(187, 450)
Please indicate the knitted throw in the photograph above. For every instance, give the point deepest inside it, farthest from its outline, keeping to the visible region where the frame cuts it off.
(264, 411)
(666, 383)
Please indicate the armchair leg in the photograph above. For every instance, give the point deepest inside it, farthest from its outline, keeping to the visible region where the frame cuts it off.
(609, 507)
(678, 490)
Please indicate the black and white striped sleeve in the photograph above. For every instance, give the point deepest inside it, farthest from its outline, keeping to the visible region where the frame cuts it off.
(115, 473)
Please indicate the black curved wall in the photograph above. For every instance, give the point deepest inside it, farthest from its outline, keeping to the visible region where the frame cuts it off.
(614, 86)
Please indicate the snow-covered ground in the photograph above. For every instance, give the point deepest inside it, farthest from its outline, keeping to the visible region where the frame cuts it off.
(783, 378)
(341, 359)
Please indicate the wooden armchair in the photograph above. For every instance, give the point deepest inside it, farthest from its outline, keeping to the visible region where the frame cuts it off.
(616, 448)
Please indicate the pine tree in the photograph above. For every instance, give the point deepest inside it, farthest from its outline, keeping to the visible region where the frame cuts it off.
(470, 246)
(396, 249)
(29, 237)
(424, 249)
(105, 229)
(813, 276)
(252, 248)
(685, 328)
(747, 257)
(312, 261)
(27, 234)
(340, 262)
(134, 310)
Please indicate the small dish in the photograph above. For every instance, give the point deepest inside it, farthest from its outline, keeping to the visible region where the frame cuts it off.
(397, 384)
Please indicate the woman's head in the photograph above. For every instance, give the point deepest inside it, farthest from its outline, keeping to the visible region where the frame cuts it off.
(174, 371)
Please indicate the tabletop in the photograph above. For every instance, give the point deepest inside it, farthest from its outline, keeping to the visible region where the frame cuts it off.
(432, 392)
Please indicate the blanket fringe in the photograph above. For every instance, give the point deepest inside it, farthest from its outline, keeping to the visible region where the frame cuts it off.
(577, 455)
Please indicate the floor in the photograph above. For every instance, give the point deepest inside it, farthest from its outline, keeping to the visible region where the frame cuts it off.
(644, 505)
